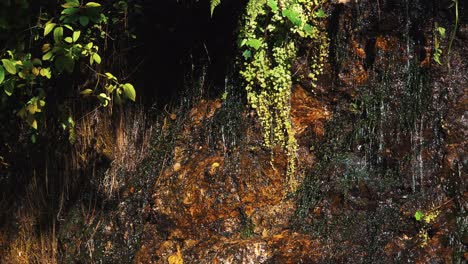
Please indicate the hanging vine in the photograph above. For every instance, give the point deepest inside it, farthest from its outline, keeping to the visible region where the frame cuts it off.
(270, 38)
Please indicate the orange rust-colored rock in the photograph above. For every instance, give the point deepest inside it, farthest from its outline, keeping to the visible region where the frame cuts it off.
(206, 190)
(307, 111)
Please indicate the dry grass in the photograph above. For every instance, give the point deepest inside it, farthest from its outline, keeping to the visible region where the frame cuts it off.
(27, 243)
(123, 140)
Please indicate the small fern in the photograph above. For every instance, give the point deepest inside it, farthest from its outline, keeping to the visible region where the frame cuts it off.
(213, 5)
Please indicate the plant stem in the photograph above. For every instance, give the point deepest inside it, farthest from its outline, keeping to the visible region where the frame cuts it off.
(452, 35)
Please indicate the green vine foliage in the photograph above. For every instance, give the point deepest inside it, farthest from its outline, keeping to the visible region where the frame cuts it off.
(65, 43)
(270, 40)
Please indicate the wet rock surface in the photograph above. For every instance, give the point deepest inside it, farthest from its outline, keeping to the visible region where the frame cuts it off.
(381, 138)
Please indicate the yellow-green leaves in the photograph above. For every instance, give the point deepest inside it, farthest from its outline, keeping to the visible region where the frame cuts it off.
(273, 5)
(110, 76)
(213, 5)
(93, 4)
(271, 36)
(86, 92)
(418, 215)
(104, 98)
(48, 28)
(29, 110)
(45, 72)
(58, 34)
(94, 58)
(71, 4)
(129, 91)
(76, 35)
(2, 74)
(9, 66)
(254, 43)
(116, 88)
(320, 13)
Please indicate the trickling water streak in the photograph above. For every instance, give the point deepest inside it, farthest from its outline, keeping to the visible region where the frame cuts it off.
(420, 159)
(381, 133)
(414, 138)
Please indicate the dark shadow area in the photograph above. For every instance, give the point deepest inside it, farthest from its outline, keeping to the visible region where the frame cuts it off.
(182, 42)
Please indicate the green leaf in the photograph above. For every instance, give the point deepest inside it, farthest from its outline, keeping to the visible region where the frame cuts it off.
(9, 66)
(246, 54)
(308, 28)
(441, 31)
(76, 35)
(273, 5)
(86, 92)
(93, 4)
(418, 215)
(293, 16)
(84, 20)
(2, 74)
(213, 5)
(129, 91)
(58, 34)
(104, 99)
(45, 72)
(70, 4)
(47, 56)
(70, 11)
(69, 27)
(254, 43)
(48, 28)
(320, 13)
(110, 76)
(34, 124)
(68, 40)
(97, 58)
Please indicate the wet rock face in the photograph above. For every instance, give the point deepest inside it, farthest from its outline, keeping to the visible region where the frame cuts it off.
(382, 137)
(222, 206)
(386, 151)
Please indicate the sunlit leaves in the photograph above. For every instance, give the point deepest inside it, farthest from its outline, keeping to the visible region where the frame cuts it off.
(129, 91)
(65, 46)
(9, 66)
(94, 58)
(273, 5)
(320, 13)
(86, 92)
(104, 98)
(76, 35)
(2, 74)
(254, 43)
(110, 76)
(293, 16)
(213, 5)
(93, 4)
(48, 28)
(45, 72)
(71, 5)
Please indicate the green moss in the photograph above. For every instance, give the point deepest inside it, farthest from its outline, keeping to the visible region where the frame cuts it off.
(270, 39)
